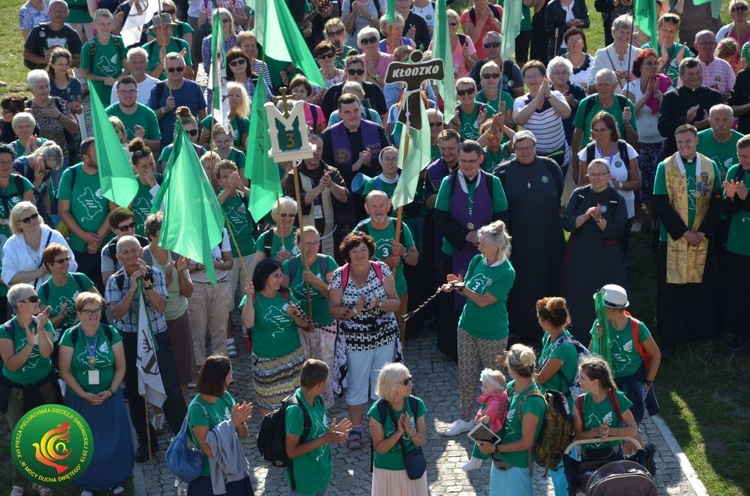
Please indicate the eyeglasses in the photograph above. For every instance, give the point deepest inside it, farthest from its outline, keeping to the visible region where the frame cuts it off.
(653, 63)
(27, 220)
(560, 73)
(598, 174)
(176, 69)
(327, 55)
(238, 62)
(492, 44)
(493, 75)
(288, 215)
(61, 261)
(170, 11)
(738, 8)
(30, 299)
(406, 381)
(338, 32)
(467, 91)
(533, 75)
(91, 312)
(525, 148)
(192, 132)
(126, 227)
(367, 41)
(436, 124)
(355, 72)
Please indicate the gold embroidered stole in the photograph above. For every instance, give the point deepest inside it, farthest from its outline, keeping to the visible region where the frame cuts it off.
(685, 263)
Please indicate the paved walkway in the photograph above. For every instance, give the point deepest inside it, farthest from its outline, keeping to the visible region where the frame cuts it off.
(436, 382)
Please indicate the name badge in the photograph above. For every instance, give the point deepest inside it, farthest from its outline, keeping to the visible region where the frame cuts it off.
(93, 377)
(318, 211)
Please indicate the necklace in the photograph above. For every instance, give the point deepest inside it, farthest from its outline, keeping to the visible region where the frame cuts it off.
(91, 350)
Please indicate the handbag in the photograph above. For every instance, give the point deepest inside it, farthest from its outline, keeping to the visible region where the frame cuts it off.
(186, 463)
(416, 463)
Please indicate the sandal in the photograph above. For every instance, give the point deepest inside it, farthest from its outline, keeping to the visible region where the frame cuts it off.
(354, 440)
(16, 491)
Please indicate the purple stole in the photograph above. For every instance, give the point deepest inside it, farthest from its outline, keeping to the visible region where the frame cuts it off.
(342, 147)
(436, 171)
(481, 215)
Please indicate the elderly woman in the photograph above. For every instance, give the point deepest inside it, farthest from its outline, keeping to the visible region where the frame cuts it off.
(240, 70)
(670, 51)
(26, 141)
(239, 112)
(738, 29)
(376, 62)
(559, 16)
(400, 431)
(248, 43)
(325, 56)
(216, 421)
(302, 90)
(582, 62)
(363, 299)
(278, 242)
(23, 252)
(538, 251)
(357, 15)
(509, 475)
(230, 38)
(491, 93)
(271, 315)
(595, 216)
(36, 167)
(52, 114)
(618, 56)
(321, 342)
(470, 114)
(542, 111)
(559, 71)
(625, 176)
(92, 364)
(483, 325)
(27, 375)
(392, 38)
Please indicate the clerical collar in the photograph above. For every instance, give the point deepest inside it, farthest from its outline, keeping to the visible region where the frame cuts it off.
(691, 89)
(471, 181)
(686, 161)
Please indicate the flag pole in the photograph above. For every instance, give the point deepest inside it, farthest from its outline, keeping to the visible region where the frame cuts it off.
(164, 62)
(400, 210)
(296, 178)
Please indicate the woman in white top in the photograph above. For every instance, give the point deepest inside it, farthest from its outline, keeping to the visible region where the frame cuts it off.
(575, 40)
(619, 56)
(22, 253)
(624, 175)
(359, 14)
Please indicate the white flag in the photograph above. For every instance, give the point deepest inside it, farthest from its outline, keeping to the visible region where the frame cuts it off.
(150, 384)
(141, 11)
(217, 79)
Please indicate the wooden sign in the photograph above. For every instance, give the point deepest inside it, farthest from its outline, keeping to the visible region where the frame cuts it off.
(413, 74)
(288, 131)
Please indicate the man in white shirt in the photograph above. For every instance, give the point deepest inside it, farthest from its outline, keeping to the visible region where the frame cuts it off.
(137, 62)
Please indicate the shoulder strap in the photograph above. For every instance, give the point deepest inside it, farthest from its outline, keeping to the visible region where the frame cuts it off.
(77, 279)
(622, 147)
(621, 100)
(378, 270)
(590, 152)
(579, 405)
(18, 181)
(323, 264)
(268, 242)
(120, 280)
(413, 405)
(635, 329)
(10, 329)
(344, 276)
(159, 91)
(73, 172)
(363, 228)
(44, 288)
(146, 257)
(292, 268)
(612, 395)
(589, 105)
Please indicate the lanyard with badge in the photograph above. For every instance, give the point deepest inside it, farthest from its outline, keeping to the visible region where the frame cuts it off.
(470, 188)
(93, 373)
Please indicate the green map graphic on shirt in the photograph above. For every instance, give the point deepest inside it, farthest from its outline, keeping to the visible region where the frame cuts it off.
(278, 317)
(141, 204)
(238, 218)
(300, 289)
(32, 361)
(109, 66)
(479, 283)
(90, 202)
(593, 419)
(622, 354)
(102, 356)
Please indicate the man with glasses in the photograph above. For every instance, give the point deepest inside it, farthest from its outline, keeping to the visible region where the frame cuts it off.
(175, 92)
(355, 71)
(139, 120)
(512, 79)
(122, 223)
(717, 73)
(48, 35)
(164, 43)
(136, 62)
(435, 118)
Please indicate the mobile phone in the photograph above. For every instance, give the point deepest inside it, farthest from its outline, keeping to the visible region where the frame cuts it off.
(337, 44)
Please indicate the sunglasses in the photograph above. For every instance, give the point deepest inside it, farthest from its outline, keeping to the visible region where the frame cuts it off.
(30, 299)
(170, 12)
(338, 32)
(92, 311)
(31, 217)
(192, 132)
(469, 91)
(492, 44)
(406, 381)
(436, 124)
(288, 215)
(493, 75)
(357, 72)
(671, 20)
(454, 24)
(739, 8)
(176, 69)
(126, 227)
(61, 261)
(367, 41)
(238, 62)
(327, 55)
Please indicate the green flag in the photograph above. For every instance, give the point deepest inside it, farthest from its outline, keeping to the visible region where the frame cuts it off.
(390, 12)
(413, 156)
(443, 50)
(645, 19)
(601, 343)
(193, 219)
(511, 26)
(260, 169)
(217, 80)
(115, 172)
(282, 40)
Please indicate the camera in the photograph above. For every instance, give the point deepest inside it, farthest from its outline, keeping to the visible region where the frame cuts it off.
(147, 275)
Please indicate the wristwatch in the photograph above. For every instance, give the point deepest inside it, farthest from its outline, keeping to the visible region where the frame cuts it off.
(619, 184)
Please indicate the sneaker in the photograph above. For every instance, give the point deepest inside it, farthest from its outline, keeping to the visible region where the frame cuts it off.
(16, 491)
(118, 490)
(472, 464)
(86, 492)
(636, 227)
(458, 427)
(191, 385)
(738, 343)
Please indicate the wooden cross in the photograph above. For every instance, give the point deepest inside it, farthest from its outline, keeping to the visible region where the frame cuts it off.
(413, 74)
(284, 99)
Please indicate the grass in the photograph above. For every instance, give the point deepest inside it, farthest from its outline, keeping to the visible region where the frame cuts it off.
(703, 395)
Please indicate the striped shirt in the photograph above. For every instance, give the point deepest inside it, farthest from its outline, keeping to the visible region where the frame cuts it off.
(546, 124)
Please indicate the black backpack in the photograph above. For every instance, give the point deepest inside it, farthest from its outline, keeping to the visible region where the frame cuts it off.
(272, 434)
(622, 147)
(322, 263)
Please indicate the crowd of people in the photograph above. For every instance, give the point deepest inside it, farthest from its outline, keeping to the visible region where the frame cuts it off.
(645, 136)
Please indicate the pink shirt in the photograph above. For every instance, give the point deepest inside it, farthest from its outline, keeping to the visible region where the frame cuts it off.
(487, 27)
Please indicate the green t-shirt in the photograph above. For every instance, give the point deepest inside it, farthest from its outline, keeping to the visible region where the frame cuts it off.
(217, 412)
(238, 157)
(108, 62)
(240, 127)
(660, 188)
(394, 459)
(275, 332)
(513, 428)
(526, 20)
(142, 204)
(241, 222)
(582, 120)
(490, 322)
(565, 352)
(79, 12)
(87, 204)
(738, 239)
(384, 239)
(625, 358)
(175, 45)
(275, 244)
(320, 305)
(36, 367)
(143, 116)
(377, 184)
(596, 414)
(469, 124)
(99, 347)
(20, 149)
(672, 69)
(495, 104)
(166, 152)
(313, 470)
(55, 296)
(12, 196)
(443, 201)
(724, 155)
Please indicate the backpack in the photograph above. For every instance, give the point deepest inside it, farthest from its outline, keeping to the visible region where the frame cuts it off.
(557, 430)
(345, 273)
(44, 289)
(272, 434)
(634, 327)
(574, 388)
(622, 147)
(621, 100)
(294, 261)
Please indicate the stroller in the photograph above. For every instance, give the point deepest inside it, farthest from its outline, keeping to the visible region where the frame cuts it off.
(608, 477)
